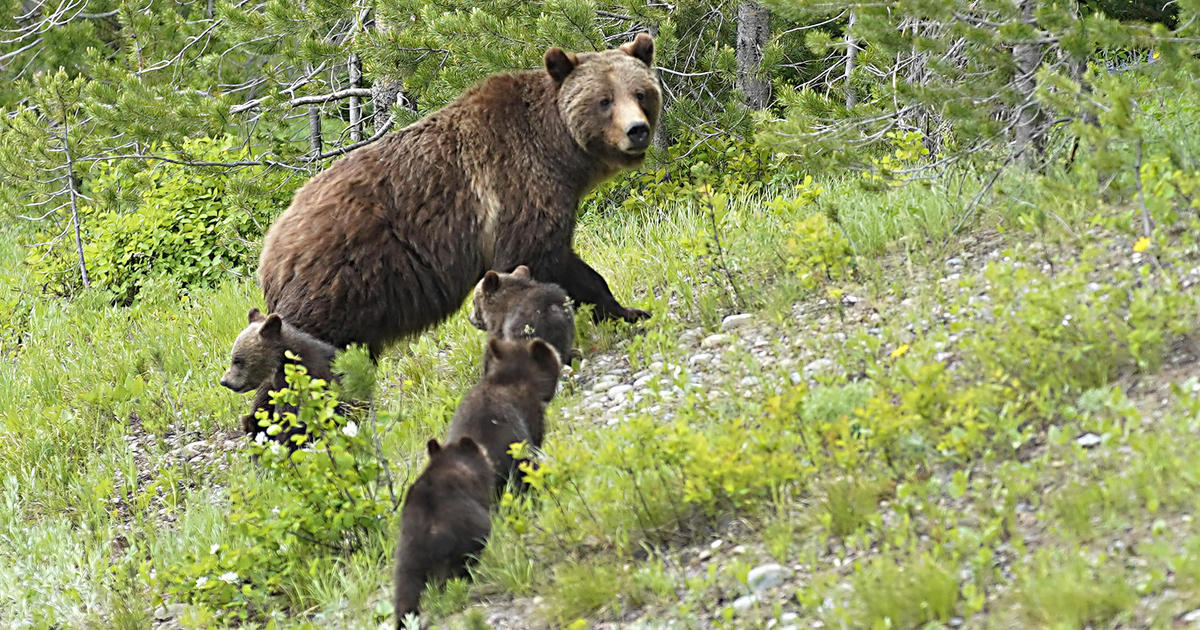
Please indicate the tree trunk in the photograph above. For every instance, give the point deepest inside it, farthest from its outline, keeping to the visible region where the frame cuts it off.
(314, 130)
(753, 27)
(355, 102)
(1027, 135)
(851, 56)
(386, 89)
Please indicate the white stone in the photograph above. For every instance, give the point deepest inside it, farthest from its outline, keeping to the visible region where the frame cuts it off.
(1088, 440)
(733, 322)
(819, 365)
(715, 340)
(700, 357)
(620, 390)
(644, 381)
(743, 603)
(765, 576)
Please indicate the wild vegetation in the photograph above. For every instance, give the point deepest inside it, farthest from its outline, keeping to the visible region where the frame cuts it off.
(966, 394)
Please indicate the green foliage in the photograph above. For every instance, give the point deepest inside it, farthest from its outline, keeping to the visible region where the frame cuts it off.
(183, 225)
(905, 594)
(322, 495)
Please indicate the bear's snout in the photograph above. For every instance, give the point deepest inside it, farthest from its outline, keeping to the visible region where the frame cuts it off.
(639, 135)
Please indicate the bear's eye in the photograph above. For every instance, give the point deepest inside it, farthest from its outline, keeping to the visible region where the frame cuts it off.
(641, 96)
(237, 362)
(605, 102)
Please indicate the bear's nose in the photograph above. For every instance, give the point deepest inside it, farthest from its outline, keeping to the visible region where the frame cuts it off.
(225, 383)
(639, 133)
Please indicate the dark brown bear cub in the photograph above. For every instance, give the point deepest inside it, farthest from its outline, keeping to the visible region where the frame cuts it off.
(514, 306)
(444, 521)
(509, 404)
(390, 239)
(258, 361)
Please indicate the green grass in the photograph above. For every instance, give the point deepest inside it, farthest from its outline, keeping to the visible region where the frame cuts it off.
(926, 469)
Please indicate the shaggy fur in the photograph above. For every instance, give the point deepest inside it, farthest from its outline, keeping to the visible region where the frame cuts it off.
(444, 520)
(390, 239)
(514, 306)
(258, 361)
(509, 404)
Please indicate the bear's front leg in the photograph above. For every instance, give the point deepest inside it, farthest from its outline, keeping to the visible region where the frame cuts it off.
(586, 286)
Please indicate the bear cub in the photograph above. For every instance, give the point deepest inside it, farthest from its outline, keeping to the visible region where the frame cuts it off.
(514, 306)
(258, 360)
(444, 521)
(509, 404)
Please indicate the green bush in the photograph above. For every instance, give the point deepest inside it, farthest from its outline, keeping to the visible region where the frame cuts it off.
(181, 223)
(309, 508)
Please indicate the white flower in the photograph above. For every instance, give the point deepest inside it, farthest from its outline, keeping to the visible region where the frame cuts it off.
(201, 581)
(214, 548)
(275, 510)
(275, 448)
(260, 437)
(229, 578)
(350, 429)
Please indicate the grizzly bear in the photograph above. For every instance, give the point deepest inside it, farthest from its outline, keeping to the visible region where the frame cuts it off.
(390, 239)
(258, 361)
(509, 404)
(444, 521)
(515, 306)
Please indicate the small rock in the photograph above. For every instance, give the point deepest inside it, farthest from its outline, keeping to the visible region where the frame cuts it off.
(605, 383)
(795, 378)
(850, 300)
(955, 622)
(743, 603)
(700, 357)
(690, 337)
(194, 448)
(620, 390)
(172, 611)
(788, 617)
(819, 365)
(954, 262)
(1088, 440)
(716, 544)
(765, 576)
(643, 381)
(1190, 617)
(748, 382)
(713, 341)
(733, 322)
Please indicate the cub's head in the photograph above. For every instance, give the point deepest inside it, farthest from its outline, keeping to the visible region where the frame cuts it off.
(257, 352)
(464, 455)
(529, 363)
(488, 304)
(609, 100)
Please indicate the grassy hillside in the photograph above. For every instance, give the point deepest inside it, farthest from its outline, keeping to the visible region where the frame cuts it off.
(937, 411)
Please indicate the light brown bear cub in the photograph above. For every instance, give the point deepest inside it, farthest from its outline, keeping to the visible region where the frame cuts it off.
(390, 239)
(514, 306)
(444, 521)
(258, 361)
(509, 404)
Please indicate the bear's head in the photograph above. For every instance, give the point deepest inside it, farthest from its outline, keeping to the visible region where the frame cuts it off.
(609, 100)
(532, 364)
(463, 458)
(485, 305)
(257, 352)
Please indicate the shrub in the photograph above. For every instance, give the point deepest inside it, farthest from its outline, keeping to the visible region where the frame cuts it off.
(190, 226)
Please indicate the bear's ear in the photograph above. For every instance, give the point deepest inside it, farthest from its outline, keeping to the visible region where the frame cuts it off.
(467, 443)
(559, 64)
(433, 446)
(495, 350)
(491, 283)
(545, 356)
(255, 316)
(271, 327)
(521, 272)
(641, 47)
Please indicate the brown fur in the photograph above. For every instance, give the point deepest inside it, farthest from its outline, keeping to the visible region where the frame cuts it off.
(390, 239)
(258, 361)
(509, 404)
(444, 521)
(514, 306)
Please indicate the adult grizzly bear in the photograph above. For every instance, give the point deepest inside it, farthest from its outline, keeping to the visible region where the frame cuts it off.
(390, 239)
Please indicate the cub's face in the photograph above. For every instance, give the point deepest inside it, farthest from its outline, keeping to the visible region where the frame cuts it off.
(487, 305)
(609, 100)
(533, 363)
(256, 353)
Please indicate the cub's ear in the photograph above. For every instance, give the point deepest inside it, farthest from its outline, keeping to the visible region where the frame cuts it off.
(433, 447)
(559, 64)
(466, 442)
(642, 47)
(255, 316)
(490, 283)
(272, 327)
(545, 356)
(495, 350)
(521, 272)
